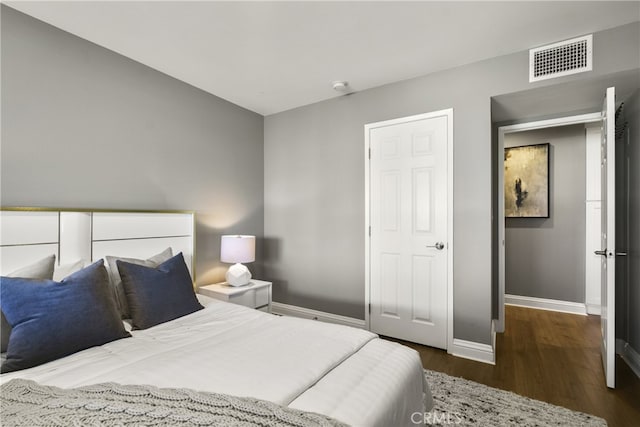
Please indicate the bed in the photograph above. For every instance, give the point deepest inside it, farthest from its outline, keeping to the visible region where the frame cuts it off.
(347, 374)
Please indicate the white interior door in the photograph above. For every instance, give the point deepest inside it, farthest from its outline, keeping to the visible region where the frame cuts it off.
(408, 217)
(608, 235)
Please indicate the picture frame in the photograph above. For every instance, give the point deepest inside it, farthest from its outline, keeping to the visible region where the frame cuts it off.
(526, 181)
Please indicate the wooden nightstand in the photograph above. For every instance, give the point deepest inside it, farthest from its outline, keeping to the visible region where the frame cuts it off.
(257, 294)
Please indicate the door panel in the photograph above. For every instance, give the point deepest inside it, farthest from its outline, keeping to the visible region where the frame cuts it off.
(422, 200)
(389, 285)
(608, 237)
(421, 296)
(408, 211)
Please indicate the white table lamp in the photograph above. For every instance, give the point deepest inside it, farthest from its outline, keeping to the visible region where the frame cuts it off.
(238, 249)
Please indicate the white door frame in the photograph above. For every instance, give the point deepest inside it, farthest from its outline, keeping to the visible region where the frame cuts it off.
(593, 218)
(367, 211)
(502, 131)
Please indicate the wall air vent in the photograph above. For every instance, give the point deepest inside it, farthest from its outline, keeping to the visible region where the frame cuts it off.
(561, 59)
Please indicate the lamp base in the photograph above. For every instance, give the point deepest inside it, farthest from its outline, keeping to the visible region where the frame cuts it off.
(238, 275)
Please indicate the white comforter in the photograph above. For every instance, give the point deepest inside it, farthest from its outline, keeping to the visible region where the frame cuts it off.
(230, 349)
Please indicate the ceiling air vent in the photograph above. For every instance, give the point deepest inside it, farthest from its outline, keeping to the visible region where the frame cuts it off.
(561, 59)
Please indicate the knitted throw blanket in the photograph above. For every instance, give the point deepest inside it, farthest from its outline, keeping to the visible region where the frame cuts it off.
(27, 403)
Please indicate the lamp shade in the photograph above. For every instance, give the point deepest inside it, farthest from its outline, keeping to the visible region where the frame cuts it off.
(238, 249)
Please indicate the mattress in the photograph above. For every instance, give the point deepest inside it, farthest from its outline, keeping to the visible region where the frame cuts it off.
(347, 373)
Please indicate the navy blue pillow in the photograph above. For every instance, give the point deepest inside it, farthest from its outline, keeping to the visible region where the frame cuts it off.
(157, 295)
(52, 319)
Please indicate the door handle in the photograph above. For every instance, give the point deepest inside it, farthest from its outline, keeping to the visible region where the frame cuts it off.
(604, 253)
(439, 246)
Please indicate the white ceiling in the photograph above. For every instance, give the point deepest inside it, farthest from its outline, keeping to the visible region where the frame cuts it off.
(273, 56)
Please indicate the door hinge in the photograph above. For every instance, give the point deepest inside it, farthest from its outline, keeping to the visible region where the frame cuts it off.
(369, 153)
(369, 231)
(369, 308)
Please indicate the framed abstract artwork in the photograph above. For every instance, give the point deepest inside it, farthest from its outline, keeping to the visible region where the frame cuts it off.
(526, 181)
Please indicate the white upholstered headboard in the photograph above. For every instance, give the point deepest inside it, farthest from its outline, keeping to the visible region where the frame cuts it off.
(30, 234)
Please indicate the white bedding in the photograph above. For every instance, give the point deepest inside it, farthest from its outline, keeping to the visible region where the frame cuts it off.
(346, 373)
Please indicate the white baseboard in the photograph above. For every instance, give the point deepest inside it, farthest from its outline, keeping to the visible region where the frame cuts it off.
(467, 349)
(546, 304)
(594, 309)
(474, 351)
(307, 313)
(629, 355)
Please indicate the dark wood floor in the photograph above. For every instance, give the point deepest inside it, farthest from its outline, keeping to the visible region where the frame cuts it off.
(549, 356)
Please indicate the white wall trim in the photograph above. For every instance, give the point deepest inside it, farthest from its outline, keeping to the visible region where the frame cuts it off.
(474, 351)
(629, 355)
(502, 131)
(593, 219)
(595, 309)
(307, 313)
(367, 226)
(546, 304)
(450, 231)
(560, 121)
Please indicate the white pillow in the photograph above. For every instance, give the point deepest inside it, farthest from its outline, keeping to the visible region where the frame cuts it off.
(64, 270)
(41, 269)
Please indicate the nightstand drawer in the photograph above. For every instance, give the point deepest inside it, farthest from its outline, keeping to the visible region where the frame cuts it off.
(247, 298)
(256, 294)
(262, 297)
(253, 298)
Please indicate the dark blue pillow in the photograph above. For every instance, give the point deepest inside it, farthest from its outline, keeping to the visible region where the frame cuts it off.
(52, 319)
(157, 295)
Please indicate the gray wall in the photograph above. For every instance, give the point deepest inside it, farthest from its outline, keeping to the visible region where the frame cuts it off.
(632, 114)
(84, 127)
(314, 181)
(544, 257)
